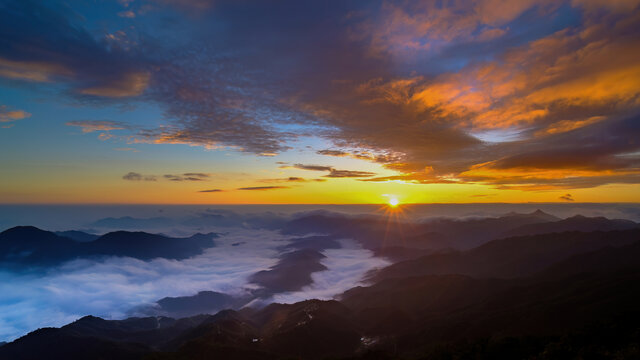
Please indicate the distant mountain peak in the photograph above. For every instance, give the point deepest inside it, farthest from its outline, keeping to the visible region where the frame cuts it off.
(24, 229)
(89, 319)
(536, 214)
(574, 223)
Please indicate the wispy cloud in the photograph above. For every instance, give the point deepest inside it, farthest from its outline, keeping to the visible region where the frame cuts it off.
(567, 197)
(481, 195)
(261, 188)
(309, 167)
(134, 176)
(188, 177)
(348, 174)
(8, 115)
(127, 14)
(292, 179)
(89, 126)
(333, 173)
(361, 155)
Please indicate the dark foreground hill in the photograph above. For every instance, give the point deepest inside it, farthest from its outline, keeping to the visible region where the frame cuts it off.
(511, 257)
(580, 303)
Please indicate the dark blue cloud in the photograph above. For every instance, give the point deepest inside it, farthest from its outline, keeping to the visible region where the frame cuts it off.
(40, 43)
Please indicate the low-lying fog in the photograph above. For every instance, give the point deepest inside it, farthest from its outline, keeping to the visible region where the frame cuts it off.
(114, 287)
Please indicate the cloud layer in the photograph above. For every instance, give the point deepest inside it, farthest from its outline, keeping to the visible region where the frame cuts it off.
(114, 287)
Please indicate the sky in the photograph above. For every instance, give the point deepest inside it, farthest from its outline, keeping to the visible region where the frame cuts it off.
(319, 102)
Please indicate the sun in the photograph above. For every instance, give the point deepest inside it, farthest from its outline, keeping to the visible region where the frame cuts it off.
(393, 201)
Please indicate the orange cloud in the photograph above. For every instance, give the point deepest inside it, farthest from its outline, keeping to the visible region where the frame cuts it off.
(7, 115)
(127, 14)
(611, 5)
(360, 155)
(569, 88)
(426, 25)
(38, 71)
(568, 125)
(530, 84)
(89, 126)
(543, 178)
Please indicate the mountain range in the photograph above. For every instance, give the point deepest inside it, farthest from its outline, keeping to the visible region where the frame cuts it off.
(562, 294)
(381, 234)
(29, 246)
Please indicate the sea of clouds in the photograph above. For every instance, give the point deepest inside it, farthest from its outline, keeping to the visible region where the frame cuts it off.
(113, 287)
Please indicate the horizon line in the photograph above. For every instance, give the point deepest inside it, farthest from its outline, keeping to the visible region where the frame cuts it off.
(317, 204)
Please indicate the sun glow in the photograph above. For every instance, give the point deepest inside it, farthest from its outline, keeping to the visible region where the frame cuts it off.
(393, 201)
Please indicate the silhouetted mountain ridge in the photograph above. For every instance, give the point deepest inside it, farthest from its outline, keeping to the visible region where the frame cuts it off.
(30, 246)
(510, 257)
(574, 223)
(377, 233)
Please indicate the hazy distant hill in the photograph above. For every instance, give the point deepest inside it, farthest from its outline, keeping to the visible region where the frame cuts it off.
(469, 233)
(380, 232)
(128, 222)
(146, 246)
(27, 245)
(204, 302)
(76, 235)
(575, 223)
